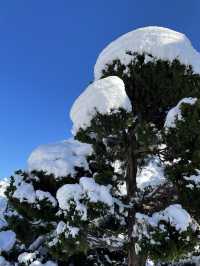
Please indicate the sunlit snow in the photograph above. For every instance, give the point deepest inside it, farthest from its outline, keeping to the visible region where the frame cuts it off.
(60, 158)
(103, 96)
(175, 113)
(160, 42)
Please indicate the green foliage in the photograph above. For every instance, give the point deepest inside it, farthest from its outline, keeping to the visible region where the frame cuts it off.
(154, 86)
(68, 246)
(165, 243)
(108, 136)
(182, 154)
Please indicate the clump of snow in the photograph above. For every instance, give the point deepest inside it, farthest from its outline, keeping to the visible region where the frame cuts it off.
(4, 262)
(3, 202)
(7, 240)
(67, 229)
(38, 263)
(162, 43)
(175, 113)
(149, 263)
(103, 96)
(60, 158)
(178, 217)
(30, 259)
(96, 192)
(195, 179)
(25, 193)
(151, 175)
(43, 195)
(27, 257)
(60, 227)
(87, 188)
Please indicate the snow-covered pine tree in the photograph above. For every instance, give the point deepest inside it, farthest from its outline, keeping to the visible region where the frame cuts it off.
(126, 190)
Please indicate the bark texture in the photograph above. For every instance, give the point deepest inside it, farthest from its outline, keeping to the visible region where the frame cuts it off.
(131, 173)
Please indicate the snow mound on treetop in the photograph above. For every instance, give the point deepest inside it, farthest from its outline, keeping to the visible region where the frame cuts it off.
(60, 158)
(175, 113)
(160, 42)
(103, 96)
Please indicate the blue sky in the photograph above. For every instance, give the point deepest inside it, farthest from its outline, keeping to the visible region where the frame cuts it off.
(47, 53)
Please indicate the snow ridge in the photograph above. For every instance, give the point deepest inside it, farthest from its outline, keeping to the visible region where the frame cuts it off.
(160, 42)
(103, 96)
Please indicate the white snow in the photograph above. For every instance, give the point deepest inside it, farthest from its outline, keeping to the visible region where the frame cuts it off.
(96, 192)
(38, 263)
(67, 229)
(87, 187)
(174, 214)
(27, 257)
(60, 158)
(43, 195)
(4, 262)
(3, 202)
(175, 113)
(149, 263)
(194, 179)
(25, 193)
(7, 240)
(151, 175)
(61, 227)
(103, 96)
(160, 42)
(30, 259)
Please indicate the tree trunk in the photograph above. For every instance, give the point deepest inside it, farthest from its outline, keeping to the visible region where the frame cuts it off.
(131, 173)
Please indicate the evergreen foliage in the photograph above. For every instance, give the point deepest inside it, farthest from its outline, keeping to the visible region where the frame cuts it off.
(102, 236)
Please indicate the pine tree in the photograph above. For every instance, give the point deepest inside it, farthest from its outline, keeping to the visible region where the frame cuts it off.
(93, 212)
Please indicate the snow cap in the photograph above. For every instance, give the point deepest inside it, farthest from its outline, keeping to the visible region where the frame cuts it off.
(60, 158)
(160, 42)
(103, 96)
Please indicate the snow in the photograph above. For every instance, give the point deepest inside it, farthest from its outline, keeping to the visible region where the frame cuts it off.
(195, 179)
(70, 192)
(149, 263)
(87, 188)
(3, 202)
(174, 214)
(103, 96)
(7, 240)
(42, 195)
(25, 193)
(38, 263)
(67, 229)
(96, 192)
(175, 113)
(151, 175)
(160, 42)
(60, 227)
(4, 262)
(60, 158)
(27, 257)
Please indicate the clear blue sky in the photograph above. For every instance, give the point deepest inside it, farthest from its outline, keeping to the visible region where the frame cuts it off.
(47, 53)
